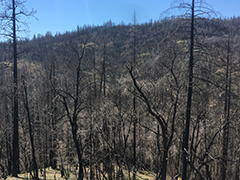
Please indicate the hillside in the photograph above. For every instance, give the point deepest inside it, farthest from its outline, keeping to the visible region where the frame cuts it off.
(112, 100)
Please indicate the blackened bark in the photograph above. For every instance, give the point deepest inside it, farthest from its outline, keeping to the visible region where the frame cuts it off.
(103, 74)
(134, 103)
(165, 135)
(35, 167)
(189, 102)
(53, 138)
(77, 145)
(226, 116)
(76, 110)
(15, 158)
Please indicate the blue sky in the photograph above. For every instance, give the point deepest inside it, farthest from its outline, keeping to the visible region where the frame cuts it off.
(64, 15)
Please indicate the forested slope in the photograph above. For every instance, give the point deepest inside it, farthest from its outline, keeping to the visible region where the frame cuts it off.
(113, 98)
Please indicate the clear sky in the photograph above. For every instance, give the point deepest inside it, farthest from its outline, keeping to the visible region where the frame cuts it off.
(64, 15)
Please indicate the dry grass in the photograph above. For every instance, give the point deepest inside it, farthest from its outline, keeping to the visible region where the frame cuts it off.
(52, 174)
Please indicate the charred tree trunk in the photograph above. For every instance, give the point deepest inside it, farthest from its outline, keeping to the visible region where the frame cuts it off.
(167, 138)
(77, 145)
(226, 116)
(134, 102)
(189, 102)
(35, 167)
(76, 107)
(103, 74)
(53, 138)
(15, 157)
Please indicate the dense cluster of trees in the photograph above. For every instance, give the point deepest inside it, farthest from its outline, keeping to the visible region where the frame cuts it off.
(113, 100)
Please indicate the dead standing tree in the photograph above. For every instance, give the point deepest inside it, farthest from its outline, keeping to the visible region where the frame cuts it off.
(166, 127)
(194, 10)
(26, 105)
(73, 101)
(10, 25)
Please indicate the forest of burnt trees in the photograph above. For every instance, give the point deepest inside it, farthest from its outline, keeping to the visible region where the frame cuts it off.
(111, 101)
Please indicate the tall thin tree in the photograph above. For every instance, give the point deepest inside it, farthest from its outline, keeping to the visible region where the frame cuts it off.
(189, 99)
(26, 104)
(10, 24)
(226, 115)
(15, 158)
(134, 100)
